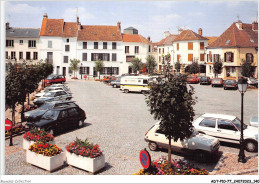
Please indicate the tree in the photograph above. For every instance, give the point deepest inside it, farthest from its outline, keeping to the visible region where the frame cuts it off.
(193, 68)
(136, 64)
(171, 102)
(247, 70)
(74, 65)
(178, 66)
(150, 63)
(99, 65)
(217, 67)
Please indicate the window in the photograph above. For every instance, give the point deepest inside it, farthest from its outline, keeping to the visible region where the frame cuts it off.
(32, 43)
(84, 57)
(85, 70)
(126, 49)
(65, 59)
(190, 57)
(35, 55)
(178, 57)
(64, 114)
(114, 57)
(145, 81)
(67, 48)
(73, 112)
(160, 59)
(70, 71)
(163, 50)
(216, 57)
(50, 57)
(136, 49)
(201, 57)
(229, 57)
(223, 124)
(211, 123)
(68, 40)
(178, 46)
(249, 57)
(110, 71)
(6, 55)
(159, 50)
(28, 55)
(113, 45)
(160, 67)
(21, 42)
(95, 45)
(129, 58)
(49, 44)
(201, 45)
(100, 56)
(85, 45)
(209, 57)
(9, 43)
(190, 45)
(104, 45)
(13, 55)
(149, 48)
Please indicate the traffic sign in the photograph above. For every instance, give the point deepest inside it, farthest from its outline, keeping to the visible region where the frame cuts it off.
(8, 125)
(145, 159)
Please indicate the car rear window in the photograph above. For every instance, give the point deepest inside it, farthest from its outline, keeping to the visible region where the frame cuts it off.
(73, 112)
(210, 123)
(216, 80)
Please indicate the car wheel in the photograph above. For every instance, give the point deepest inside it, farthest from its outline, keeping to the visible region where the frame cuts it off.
(152, 146)
(143, 92)
(80, 124)
(212, 85)
(225, 88)
(114, 86)
(200, 156)
(126, 90)
(251, 146)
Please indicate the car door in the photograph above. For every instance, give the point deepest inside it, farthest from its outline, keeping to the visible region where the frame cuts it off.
(208, 126)
(226, 131)
(74, 117)
(63, 120)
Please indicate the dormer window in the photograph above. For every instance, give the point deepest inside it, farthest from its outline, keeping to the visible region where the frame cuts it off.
(251, 40)
(227, 42)
(50, 31)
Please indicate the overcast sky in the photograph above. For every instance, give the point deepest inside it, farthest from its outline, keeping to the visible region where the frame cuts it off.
(151, 18)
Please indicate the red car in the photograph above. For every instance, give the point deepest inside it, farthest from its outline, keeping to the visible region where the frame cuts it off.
(54, 78)
(193, 79)
(108, 79)
(217, 82)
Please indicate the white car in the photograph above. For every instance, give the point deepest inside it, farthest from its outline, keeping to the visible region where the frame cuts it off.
(199, 144)
(227, 128)
(38, 95)
(254, 121)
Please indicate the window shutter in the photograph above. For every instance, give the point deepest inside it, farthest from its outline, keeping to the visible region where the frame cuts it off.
(92, 57)
(225, 57)
(232, 57)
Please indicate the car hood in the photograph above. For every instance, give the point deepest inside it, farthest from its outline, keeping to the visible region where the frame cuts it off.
(35, 113)
(203, 139)
(251, 131)
(40, 123)
(44, 98)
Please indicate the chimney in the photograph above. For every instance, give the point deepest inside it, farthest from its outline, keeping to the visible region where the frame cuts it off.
(45, 15)
(180, 30)
(239, 25)
(148, 38)
(200, 31)
(77, 19)
(166, 33)
(78, 23)
(119, 26)
(7, 25)
(255, 26)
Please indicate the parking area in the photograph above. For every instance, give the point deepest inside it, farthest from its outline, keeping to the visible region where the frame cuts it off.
(118, 123)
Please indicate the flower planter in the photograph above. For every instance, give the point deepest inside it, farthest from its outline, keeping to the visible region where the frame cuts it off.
(86, 163)
(45, 162)
(27, 144)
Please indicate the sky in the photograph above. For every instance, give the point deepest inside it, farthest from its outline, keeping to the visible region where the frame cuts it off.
(151, 18)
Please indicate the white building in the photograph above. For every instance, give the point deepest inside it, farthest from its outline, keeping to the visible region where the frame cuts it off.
(22, 44)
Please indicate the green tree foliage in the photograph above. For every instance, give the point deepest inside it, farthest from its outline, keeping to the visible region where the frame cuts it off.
(74, 65)
(171, 102)
(150, 63)
(193, 68)
(178, 66)
(136, 64)
(217, 67)
(99, 65)
(247, 70)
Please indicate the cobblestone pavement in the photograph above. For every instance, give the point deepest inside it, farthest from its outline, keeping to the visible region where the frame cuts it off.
(118, 122)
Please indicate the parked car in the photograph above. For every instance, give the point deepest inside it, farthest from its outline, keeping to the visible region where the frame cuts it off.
(230, 84)
(54, 78)
(37, 113)
(59, 119)
(252, 82)
(217, 82)
(254, 121)
(108, 79)
(198, 144)
(205, 80)
(52, 96)
(51, 89)
(227, 128)
(192, 79)
(116, 83)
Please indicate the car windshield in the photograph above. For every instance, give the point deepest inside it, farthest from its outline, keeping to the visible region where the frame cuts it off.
(254, 119)
(237, 123)
(229, 81)
(45, 106)
(50, 94)
(191, 77)
(216, 80)
(51, 115)
(50, 77)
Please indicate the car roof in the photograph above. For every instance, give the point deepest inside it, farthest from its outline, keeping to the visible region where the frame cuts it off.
(222, 116)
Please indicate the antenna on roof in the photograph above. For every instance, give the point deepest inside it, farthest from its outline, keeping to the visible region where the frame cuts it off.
(238, 17)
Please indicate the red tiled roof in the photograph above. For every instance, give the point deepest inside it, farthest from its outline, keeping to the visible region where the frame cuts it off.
(238, 38)
(211, 39)
(135, 38)
(168, 40)
(51, 27)
(70, 29)
(189, 35)
(97, 33)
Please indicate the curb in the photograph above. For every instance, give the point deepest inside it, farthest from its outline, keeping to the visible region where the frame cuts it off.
(243, 172)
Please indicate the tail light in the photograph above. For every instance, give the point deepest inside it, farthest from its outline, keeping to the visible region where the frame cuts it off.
(84, 113)
(233, 84)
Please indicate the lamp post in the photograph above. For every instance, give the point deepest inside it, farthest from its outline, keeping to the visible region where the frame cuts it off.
(81, 69)
(111, 68)
(242, 87)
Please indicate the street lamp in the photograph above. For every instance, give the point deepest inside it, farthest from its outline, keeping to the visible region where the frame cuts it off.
(81, 69)
(111, 68)
(242, 87)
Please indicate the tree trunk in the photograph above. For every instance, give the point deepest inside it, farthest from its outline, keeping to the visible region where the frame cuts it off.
(13, 123)
(28, 100)
(99, 75)
(22, 113)
(169, 153)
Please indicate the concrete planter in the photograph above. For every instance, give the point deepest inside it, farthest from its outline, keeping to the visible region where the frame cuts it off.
(45, 162)
(86, 163)
(27, 144)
